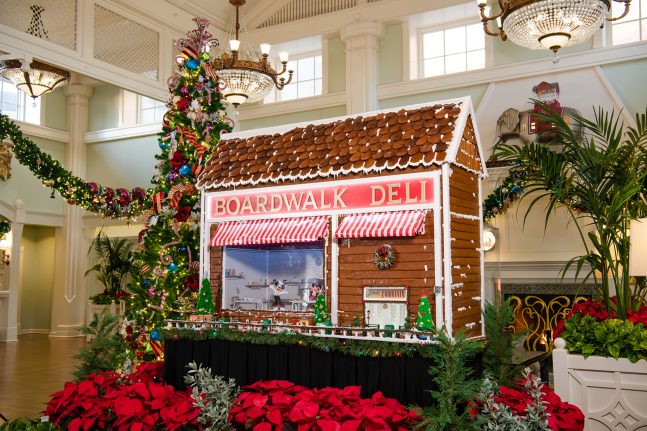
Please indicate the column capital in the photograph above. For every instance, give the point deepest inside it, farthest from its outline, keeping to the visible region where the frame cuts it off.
(357, 29)
(75, 89)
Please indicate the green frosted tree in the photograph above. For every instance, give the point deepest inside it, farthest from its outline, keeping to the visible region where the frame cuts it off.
(424, 321)
(205, 300)
(320, 310)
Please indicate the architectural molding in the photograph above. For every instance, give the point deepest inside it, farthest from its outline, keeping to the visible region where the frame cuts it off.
(588, 59)
(44, 132)
(107, 135)
(291, 106)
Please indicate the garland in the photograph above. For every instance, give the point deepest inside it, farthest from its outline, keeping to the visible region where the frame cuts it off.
(5, 228)
(108, 202)
(383, 349)
(503, 196)
(384, 256)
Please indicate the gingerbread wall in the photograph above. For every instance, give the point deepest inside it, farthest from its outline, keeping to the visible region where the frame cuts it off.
(413, 268)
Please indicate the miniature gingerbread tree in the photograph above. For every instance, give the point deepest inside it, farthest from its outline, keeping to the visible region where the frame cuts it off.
(424, 321)
(205, 300)
(321, 310)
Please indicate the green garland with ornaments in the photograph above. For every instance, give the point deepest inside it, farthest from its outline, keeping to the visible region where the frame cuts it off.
(5, 228)
(381, 349)
(501, 198)
(109, 202)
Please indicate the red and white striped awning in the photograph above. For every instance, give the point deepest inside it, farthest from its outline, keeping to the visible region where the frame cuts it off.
(380, 225)
(274, 231)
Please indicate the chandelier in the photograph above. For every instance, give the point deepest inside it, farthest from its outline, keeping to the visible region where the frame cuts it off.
(547, 24)
(246, 76)
(33, 77)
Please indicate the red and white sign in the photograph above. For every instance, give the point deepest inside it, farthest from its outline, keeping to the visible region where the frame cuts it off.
(412, 191)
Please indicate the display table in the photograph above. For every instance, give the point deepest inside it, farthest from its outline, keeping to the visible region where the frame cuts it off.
(403, 378)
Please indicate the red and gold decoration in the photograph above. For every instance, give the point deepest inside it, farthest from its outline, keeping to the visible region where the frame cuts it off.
(384, 257)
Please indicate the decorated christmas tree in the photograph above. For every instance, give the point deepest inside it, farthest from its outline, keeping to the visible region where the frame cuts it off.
(320, 310)
(205, 301)
(424, 321)
(166, 280)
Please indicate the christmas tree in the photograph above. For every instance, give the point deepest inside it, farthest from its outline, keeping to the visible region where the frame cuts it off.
(205, 301)
(166, 279)
(321, 310)
(424, 321)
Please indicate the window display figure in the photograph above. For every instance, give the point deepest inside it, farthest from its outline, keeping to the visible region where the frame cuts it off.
(278, 289)
(315, 290)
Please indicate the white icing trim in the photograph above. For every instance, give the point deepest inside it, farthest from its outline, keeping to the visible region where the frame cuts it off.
(447, 248)
(465, 216)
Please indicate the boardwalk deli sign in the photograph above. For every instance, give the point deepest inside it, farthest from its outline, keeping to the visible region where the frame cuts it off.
(412, 191)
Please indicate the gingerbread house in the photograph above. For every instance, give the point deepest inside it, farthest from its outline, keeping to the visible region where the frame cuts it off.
(374, 211)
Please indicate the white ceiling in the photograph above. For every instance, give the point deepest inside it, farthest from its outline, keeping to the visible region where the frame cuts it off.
(221, 12)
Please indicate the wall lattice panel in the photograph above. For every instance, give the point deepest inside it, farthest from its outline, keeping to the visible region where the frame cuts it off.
(52, 20)
(125, 43)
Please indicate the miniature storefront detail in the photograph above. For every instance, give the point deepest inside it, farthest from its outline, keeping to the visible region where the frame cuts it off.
(296, 211)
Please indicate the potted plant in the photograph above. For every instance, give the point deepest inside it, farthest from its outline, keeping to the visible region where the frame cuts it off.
(112, 264)
(600, 178)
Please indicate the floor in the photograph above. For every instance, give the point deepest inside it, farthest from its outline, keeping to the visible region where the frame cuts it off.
(32, 369)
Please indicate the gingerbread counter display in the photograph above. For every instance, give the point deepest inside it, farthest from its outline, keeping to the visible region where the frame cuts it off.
(372, 211)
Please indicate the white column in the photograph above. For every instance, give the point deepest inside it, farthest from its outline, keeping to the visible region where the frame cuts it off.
(68, 300)
(9, 316)
(362, 40)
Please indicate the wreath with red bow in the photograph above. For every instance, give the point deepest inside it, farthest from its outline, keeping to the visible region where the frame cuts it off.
(384, 257)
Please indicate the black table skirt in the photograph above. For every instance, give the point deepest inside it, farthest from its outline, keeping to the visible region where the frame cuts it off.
(405, 379)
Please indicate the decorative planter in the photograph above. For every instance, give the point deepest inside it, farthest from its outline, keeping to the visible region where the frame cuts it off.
(612, 393)
(92, 309)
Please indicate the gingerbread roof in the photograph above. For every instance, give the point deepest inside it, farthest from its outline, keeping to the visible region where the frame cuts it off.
(421, 135)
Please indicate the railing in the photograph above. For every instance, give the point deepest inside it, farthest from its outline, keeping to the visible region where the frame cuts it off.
(367, 333)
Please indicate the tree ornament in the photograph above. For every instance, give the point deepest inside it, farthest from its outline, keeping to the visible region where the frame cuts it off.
(185, 170)
(424, 321)
(384, 257)
(320, 310)
(172, 267)
(205, 301)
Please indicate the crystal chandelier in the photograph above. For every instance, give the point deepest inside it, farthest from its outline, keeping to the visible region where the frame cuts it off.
(246, 76)
(547, 24)
(32, 76)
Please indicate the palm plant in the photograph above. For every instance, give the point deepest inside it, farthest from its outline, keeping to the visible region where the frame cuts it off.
(112, 262)
(600, 178)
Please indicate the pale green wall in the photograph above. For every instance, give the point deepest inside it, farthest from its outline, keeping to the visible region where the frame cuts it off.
(508, 52)
(476, 92)
(38, 243)
(126, 163)
(104, 108)
(336, 65)
(54, 111)
(390, 58)
(297, 117)
(627, 79)
(25, 186)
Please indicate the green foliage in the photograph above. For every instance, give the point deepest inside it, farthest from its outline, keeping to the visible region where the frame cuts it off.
(611, 337)
(424, 321)
(213, 395)
(320, 310)
(327, 344)
(205, 301)
(455, 384)
(497, 355)
(28, 425)
(600, 178)
(106, 351)
(112, 263)
(496, 416)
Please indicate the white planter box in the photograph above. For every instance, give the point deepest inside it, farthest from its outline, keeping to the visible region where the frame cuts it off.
(612, 393)
(92, 309)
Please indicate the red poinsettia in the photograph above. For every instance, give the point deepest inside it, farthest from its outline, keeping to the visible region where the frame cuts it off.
(269, 405)
(562, 416)
(108, 400)
(589, 308)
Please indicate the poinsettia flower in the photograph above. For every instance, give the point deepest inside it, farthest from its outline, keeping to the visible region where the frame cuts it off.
(328, 425)
(263, 426)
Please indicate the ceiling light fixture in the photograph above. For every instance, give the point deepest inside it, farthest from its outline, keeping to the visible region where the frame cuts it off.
(247, 76)
(32, 76)
(547, 24)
